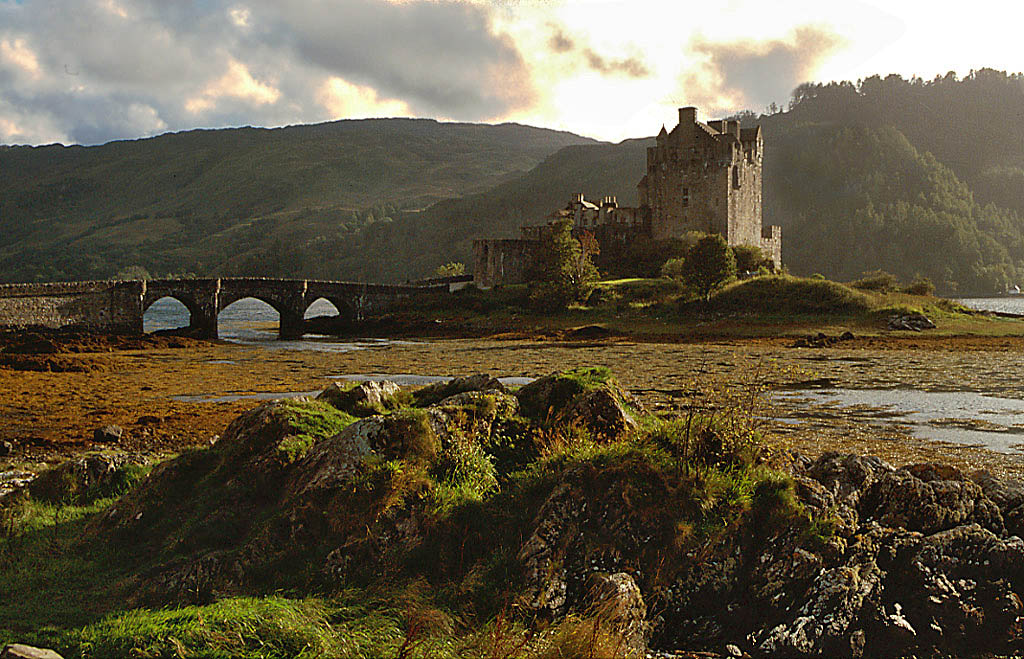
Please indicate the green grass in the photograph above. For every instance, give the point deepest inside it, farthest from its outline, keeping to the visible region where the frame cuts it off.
(312, 421)
(791, 295)
(72, 582)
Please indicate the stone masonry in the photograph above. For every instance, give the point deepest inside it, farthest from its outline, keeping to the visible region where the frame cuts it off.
(118, 306)
(704, 177)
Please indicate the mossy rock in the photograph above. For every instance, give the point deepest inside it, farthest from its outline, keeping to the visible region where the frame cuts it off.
(88, 478)
(588, 397)
(435, 393)
(364, 399)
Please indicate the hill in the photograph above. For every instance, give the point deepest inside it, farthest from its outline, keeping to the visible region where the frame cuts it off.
(891, 174)
(185, 201)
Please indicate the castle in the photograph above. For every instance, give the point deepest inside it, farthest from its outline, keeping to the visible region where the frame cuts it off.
(702, 177)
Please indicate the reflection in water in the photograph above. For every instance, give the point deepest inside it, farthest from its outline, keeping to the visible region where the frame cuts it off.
(958, 417)
(231, 398)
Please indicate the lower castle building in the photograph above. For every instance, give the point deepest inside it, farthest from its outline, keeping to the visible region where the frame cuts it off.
(704, 177)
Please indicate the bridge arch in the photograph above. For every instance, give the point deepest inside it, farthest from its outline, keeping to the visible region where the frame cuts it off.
(225, 300)
(248, 317)
(344, 307)
(161, 319)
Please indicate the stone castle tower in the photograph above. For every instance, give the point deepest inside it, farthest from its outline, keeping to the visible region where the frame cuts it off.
(702, 177)
(707, 178)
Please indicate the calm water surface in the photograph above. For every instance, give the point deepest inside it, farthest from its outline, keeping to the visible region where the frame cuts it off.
(1005, 304)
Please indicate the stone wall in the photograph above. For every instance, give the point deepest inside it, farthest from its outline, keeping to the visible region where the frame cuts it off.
(771, 244)
(744, 191)
(97, 306)
(503, 261)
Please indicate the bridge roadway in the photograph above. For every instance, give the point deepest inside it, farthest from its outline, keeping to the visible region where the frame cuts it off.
(118, 306)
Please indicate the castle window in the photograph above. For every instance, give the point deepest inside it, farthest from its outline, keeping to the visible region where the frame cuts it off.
(736, 177)
(686, 196)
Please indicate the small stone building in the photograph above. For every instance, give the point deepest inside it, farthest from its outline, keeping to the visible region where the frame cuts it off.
(703, 177)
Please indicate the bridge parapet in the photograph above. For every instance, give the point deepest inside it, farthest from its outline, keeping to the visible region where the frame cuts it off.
(109, 306)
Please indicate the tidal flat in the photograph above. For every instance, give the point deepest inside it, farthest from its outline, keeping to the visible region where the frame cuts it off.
(157, 393)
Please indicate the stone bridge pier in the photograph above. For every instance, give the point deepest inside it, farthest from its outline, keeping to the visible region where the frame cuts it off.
(119, 306)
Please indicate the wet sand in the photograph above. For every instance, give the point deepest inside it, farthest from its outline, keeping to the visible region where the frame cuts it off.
(49, 416)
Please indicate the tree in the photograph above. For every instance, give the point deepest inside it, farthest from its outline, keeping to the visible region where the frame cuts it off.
(748, 258)
(563, 272)
(709, 265)
(132, 273)
(450, 270)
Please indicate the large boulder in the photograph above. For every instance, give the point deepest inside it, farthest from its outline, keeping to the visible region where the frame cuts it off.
(108, 434)
(19, 651)
(589, 398)
(80, 478)
(616, 600)
(434, 393)
(365, 399)
(928, 498)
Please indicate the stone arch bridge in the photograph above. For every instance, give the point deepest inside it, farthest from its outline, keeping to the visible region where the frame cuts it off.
(118, 306)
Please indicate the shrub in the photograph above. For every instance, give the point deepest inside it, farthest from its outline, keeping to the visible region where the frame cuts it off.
(674, 269)
(877, 280)
(748, 258)
(920, 286)
(450, 270)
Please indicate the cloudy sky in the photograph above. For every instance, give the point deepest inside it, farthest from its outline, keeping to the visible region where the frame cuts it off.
(90, 71)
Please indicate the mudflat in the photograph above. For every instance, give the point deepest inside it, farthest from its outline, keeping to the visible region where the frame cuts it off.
(170, 393)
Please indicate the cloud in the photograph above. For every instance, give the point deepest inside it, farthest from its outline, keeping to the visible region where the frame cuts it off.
(15, 52)
(96, 70)
(343, 99)
(238, 83)
(632, 67)
(751, 75)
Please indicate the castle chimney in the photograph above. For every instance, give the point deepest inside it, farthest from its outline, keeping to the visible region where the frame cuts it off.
(734, 128)
(687, 116)
(578, 198)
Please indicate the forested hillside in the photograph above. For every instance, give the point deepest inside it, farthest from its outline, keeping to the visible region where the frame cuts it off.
(909, 176)
(202, 201)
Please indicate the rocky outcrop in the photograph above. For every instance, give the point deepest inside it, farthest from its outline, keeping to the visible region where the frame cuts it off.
(616, 600)
(847, 556)
(913, 322)
(920, 561)
(78, 479)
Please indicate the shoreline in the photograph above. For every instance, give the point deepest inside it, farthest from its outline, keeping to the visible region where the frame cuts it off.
(51, 415)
